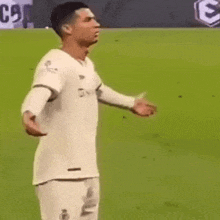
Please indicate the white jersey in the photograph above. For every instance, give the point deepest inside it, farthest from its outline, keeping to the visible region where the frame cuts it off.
(70, 118)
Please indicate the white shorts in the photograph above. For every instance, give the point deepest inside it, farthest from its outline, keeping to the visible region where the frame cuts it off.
(75, 199)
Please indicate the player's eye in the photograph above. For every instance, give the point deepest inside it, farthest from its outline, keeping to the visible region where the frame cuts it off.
(88, 19)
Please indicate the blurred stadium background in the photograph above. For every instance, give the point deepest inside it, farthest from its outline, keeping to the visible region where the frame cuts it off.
(111, 13)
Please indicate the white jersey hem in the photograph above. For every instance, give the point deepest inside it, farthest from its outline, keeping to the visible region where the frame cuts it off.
(64, 177)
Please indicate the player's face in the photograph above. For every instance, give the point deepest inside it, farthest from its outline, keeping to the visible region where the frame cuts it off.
(86, 28)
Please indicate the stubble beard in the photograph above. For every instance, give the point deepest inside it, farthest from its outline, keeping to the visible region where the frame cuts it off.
(85, 43)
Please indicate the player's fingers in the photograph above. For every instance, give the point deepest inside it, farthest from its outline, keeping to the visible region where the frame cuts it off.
(153, 111)
(149, 112)
(144, 114)
(37, 128)
(33, 129)
(35, 133)
(146, 111)
(152, 106)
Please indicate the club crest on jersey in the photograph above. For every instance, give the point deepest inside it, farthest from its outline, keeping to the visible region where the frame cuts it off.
(64, 215)
(81, 77)
(82, 92)
(52, 70)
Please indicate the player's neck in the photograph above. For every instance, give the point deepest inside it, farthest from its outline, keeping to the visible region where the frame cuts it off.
(75, 50)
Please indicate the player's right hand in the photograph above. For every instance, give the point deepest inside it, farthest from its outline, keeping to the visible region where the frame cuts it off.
(31, 126)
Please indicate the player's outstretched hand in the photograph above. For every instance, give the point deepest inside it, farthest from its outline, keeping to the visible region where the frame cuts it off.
(144, 108)
(31, 126)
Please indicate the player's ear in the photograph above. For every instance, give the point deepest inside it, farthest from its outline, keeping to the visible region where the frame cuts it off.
(67, 29)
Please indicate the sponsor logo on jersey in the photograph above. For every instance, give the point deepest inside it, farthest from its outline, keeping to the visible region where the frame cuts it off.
(64, 215)
(82, 92)
(52, 70)
(81, 77)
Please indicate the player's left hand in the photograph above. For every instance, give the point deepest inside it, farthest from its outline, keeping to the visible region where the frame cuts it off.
(144, 108)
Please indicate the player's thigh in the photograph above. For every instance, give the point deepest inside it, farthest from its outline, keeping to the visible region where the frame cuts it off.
(61, 199)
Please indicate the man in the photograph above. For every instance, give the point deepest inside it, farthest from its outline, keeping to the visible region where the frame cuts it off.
(62, 109)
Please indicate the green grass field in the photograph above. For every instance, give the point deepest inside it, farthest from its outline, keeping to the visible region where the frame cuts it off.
(166, 167)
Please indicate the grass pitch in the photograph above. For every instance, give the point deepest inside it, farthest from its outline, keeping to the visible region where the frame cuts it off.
(167, 167)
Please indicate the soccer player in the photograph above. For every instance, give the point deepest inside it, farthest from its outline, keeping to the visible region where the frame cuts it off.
(62, 109)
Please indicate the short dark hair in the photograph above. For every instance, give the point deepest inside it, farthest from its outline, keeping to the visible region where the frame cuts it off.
(63, 14)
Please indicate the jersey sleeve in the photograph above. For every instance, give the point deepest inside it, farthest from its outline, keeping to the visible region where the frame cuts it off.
(49, 76)
(35, 100)
(110, 96)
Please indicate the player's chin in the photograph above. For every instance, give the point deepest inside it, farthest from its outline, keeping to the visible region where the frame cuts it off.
(96, 38)
(94, 41)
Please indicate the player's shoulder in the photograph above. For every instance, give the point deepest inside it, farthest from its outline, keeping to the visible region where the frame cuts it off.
(54, 58)
(90, 62)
